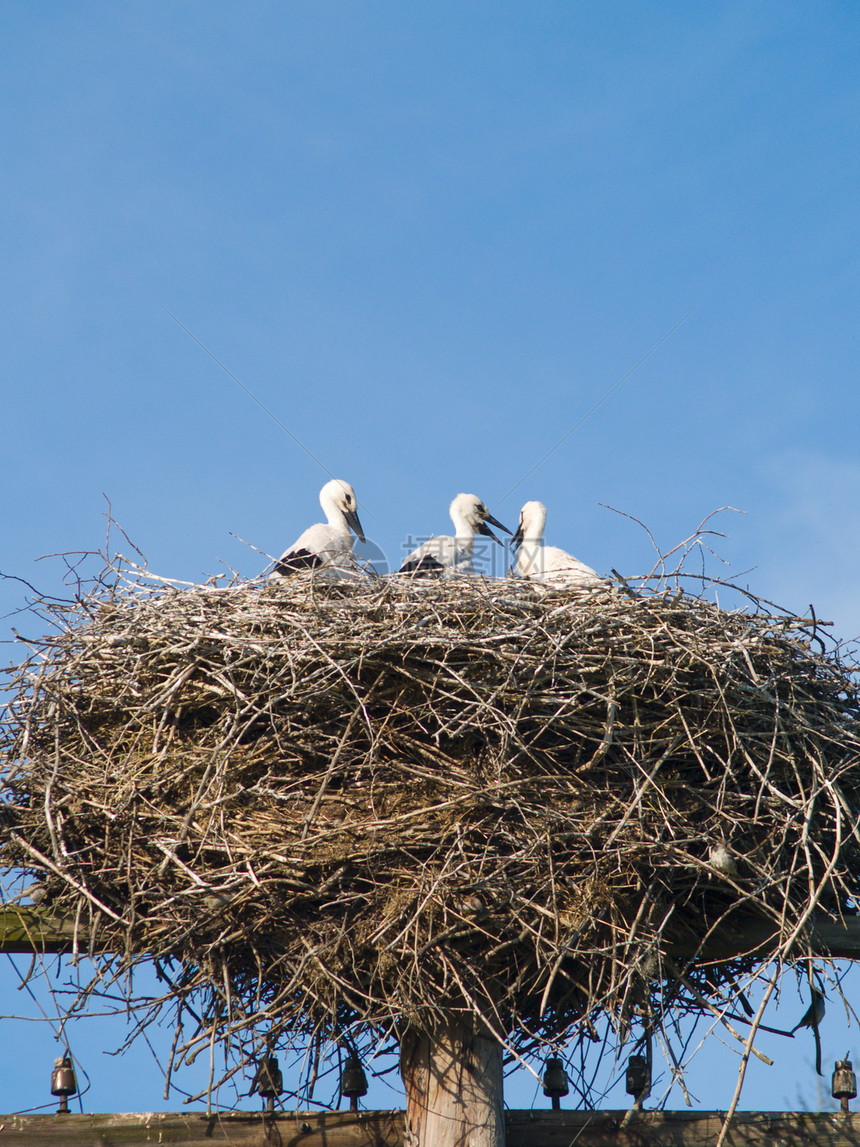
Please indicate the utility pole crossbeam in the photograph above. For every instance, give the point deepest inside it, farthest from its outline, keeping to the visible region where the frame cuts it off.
(39, 930)
(387, 1129)
(839, 939)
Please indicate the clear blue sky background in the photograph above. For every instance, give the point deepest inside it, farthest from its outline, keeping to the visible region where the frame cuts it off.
(429, 237)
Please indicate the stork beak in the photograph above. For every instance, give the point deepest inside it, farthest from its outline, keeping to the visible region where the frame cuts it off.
(494, 522)
(354, 524)
(483, 528)
(517, 538)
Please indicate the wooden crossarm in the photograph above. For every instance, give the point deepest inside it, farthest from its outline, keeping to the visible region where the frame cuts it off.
(385, 1129)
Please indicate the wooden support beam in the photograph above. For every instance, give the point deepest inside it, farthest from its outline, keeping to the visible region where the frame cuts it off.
(840, 939)
(679, 1129)
(386, 1129)
(38, 929)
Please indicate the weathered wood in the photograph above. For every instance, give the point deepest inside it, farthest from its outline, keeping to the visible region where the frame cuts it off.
(38, 929)
(331, 1129)
(386, 1129)
(840, 939)
(454, 1086)
(679, 1129)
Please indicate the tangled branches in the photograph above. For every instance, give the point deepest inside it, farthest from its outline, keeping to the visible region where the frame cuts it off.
(326, 808)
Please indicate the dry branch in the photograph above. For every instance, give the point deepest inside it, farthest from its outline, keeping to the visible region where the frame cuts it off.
(340, 807)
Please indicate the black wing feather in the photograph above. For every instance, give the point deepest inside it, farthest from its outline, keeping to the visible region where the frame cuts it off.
(425, 566)
(297, 561)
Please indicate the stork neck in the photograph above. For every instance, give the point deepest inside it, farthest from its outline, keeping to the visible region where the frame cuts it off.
(334, 516)
(464, 531)
(533, 529)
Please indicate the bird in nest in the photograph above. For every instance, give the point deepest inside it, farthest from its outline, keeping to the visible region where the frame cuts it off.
(326, 545)
(721, 859)
(447, 556)
(548, 564)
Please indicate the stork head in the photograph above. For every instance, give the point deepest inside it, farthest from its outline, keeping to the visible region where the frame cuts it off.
(532, 522)
(469, 510)
(340, 496)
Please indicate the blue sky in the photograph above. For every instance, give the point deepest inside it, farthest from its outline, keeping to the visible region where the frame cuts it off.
(429, 238)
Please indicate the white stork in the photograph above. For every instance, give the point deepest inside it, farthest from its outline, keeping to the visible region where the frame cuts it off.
(452, 557)
(548, 564)
(326, 545)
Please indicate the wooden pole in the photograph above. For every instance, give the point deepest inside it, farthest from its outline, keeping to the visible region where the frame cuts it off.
(454, 1086)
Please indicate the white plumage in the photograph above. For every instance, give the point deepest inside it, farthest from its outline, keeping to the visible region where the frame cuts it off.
(447, 556)
(326, 545)
(548, 564)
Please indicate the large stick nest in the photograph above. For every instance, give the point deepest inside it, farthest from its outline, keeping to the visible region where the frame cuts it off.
(319, 805)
